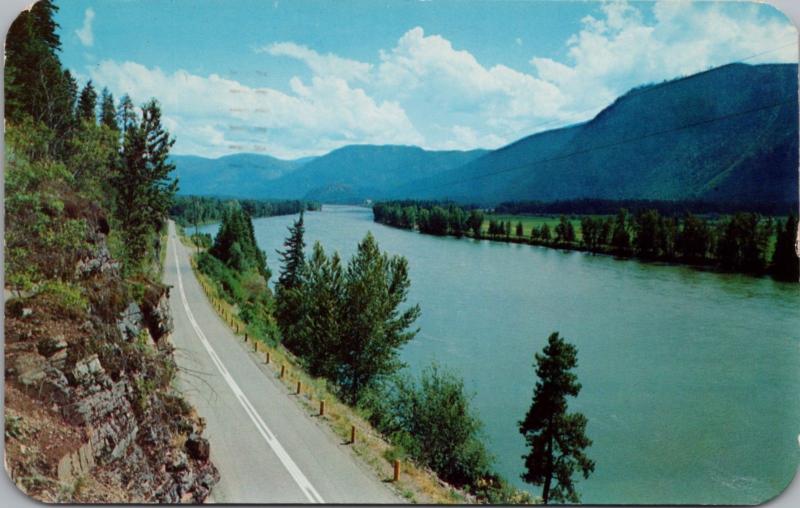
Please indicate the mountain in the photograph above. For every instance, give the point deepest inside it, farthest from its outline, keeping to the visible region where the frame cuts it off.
(242, 175)
(727, 134)
(357, 172)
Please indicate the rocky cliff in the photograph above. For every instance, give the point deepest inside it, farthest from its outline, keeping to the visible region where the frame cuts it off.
(91, 415)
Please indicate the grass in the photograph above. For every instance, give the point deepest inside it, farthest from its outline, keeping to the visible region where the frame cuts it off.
(531, 221)
(416, 484)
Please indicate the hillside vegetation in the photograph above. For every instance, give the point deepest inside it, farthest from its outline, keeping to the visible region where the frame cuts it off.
(90, 411)
(729, 134)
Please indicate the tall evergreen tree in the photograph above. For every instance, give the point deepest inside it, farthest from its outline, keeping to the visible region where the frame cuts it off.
(126, 114)
(374, 326)
(557, 439)
(108, 112)
(144, 186)
(87, 103)
(288, 296)
(785, 263)
(320, 329)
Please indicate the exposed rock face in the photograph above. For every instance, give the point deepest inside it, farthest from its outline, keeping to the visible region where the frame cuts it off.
(90, 400)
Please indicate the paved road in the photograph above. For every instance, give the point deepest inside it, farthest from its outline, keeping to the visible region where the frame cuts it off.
(267, 449)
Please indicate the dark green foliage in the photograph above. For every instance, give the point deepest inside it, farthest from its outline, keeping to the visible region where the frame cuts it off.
(376, 287)
(36, 85)
(143, 185)
(595, 206)
(431, 419)
(785, 263)
(87, 104)
(620, 235)
(320, 329)
(126, 114)
(557, 439)
(108, 113)
(565, 231)
(740, 158)
(288, 296)
(742, 243)
(475, 222)
(235, 244)
(191, 210)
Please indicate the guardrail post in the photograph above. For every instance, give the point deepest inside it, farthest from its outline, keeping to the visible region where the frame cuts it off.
(396, 470)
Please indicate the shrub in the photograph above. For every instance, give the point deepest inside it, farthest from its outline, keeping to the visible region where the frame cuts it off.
(432, 421)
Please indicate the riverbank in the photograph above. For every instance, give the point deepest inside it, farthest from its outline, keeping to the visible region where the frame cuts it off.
(742, 242)
(417, 484)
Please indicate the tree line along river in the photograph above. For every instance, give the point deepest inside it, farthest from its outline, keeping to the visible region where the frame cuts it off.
(690, 378)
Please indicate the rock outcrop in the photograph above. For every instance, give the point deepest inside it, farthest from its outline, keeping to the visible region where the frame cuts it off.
(90, 412)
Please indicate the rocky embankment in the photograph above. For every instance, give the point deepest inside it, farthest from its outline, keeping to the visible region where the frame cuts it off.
(91, 415)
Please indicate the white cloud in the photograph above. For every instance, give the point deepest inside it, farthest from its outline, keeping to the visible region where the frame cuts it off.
(85, 33)
(428, 92)
(619, 49)
(213, 115)
(321, 65)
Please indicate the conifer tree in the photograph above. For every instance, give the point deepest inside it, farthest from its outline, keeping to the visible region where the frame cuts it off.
(288, 296)
(108, 113)
(556, 438)
(87, 103)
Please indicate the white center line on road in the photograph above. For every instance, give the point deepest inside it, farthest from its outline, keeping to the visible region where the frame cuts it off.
(297, 475)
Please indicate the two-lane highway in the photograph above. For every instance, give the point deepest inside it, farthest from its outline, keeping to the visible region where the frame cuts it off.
(267, 449)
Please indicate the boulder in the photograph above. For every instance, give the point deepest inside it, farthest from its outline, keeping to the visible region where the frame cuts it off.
(198, 447)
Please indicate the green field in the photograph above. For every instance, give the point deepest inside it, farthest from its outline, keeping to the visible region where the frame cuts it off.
(534, 221)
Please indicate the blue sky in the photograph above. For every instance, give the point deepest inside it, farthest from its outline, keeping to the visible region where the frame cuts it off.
(297, 78)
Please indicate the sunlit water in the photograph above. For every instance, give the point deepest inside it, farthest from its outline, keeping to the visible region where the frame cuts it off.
(690, 379)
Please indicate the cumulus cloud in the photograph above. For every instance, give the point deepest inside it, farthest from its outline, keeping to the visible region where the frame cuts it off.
(424, 90)
(619, 49)
(85, 33)
(212, 115)
(321, 65)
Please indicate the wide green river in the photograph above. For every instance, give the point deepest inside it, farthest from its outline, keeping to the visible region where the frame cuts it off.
(691, 379)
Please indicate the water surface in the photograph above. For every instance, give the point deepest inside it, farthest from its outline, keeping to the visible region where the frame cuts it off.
(690, 378)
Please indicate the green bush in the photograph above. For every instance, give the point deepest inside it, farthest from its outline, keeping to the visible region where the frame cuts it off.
(432, 421)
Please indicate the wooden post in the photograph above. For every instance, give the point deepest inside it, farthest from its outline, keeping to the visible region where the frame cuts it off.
(322, 407)
(396, 470)
(352, 434)
(299, 387)
(283, 370)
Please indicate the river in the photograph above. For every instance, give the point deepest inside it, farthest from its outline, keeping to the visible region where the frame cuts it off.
(690, 378)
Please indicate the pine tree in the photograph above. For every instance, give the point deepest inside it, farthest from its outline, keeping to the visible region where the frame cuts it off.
(288, 295)
(87, 104)
(785, 262)
(126, 114)
(556, 438)
(108, 113)
(320, 329)
(144, 187)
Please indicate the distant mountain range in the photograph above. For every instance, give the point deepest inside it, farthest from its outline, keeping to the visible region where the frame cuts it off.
(729, 134)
